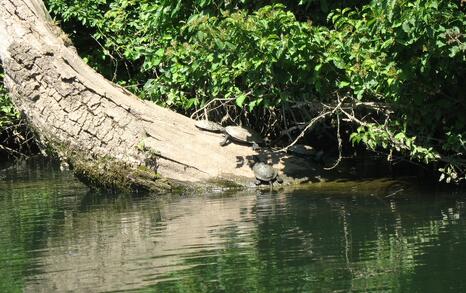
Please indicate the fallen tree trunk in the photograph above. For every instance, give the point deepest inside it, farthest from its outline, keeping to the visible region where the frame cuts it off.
(106, 134)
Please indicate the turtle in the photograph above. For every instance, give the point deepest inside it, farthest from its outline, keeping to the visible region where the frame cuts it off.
(209, 126)
(242, 135)
(265, 174)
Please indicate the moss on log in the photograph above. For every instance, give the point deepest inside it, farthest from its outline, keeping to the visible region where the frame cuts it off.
(108, 136)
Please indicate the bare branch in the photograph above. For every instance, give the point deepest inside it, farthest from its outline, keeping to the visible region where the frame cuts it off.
(340, 145)
(313, 122)
(225, 100)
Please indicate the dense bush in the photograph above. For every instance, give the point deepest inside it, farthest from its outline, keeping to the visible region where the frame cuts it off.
(407, 56)
(392, 72)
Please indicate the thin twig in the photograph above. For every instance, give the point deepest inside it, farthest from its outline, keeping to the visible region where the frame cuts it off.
(309, 125)
(285, 122)
(12, 151)
(312, 122)
(340, 146)
(210, 102)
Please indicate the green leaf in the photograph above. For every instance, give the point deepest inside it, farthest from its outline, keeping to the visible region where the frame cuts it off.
(240, 100)
(406, 27)
(343, 84)
(254, 103)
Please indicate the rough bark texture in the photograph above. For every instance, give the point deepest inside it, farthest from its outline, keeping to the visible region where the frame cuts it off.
(104, 132)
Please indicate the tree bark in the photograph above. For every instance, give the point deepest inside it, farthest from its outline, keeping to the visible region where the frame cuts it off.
(106, 134)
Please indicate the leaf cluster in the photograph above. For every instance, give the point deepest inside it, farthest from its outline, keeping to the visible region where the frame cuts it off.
(398, 64)
(407, 55)
(8, 113)
(15, 139)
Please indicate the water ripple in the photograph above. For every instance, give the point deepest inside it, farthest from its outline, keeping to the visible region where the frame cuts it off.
(56, 236)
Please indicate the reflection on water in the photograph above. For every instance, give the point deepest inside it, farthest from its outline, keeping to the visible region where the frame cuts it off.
(56, 236)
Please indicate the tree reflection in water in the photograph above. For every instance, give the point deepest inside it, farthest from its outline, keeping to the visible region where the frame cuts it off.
(362, 236)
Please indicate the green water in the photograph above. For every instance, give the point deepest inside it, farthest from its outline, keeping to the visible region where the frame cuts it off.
(57, 236)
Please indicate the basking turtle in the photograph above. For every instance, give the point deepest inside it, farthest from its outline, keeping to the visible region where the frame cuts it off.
(242, 135)
(209, 126)
(265, 174)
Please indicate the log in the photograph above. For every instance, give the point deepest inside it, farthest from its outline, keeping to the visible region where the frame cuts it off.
(109, 137)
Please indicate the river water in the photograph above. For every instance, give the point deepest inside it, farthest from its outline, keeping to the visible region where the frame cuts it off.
(382, 235)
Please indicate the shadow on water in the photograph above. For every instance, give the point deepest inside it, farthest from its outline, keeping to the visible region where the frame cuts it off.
(302, 169)
(374, 235)
(296, 169)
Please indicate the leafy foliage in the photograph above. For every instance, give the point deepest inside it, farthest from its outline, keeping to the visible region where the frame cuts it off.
(8, 113)
(390, 71)
(261, 59)
(16, 140)
(408, 55)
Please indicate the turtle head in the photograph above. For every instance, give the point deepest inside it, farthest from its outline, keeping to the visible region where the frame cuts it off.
(267, 142)
(261, 159)
(256, 159)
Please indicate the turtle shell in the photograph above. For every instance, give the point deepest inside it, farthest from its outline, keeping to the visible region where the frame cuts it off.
(209, 126)
(243, 134)
(264, 172)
